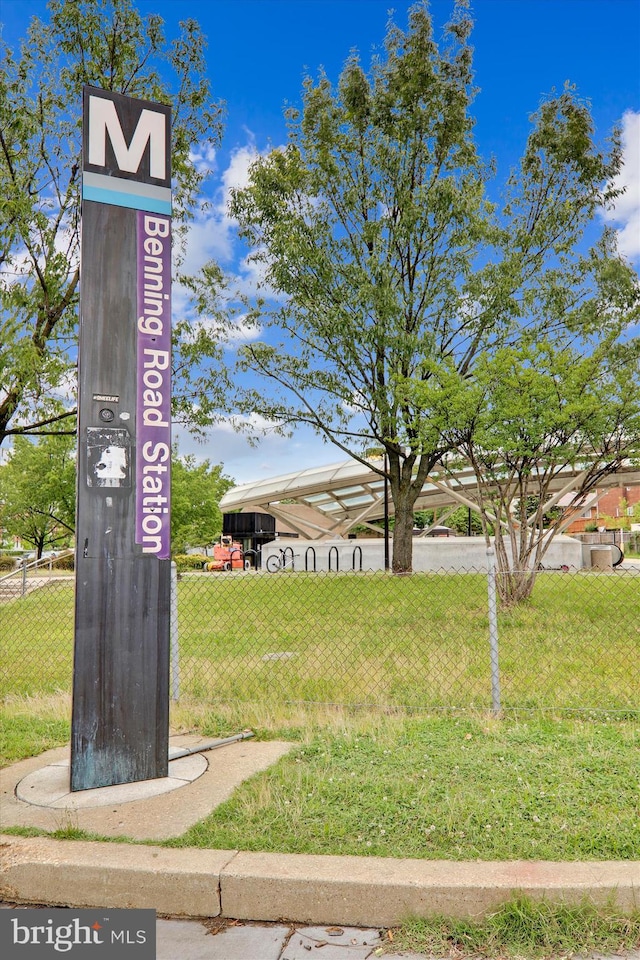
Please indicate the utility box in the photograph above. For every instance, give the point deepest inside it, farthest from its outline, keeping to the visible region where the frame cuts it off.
(602, 557)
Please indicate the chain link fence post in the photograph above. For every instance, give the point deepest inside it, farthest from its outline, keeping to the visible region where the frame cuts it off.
(173, 627)
(493, 630)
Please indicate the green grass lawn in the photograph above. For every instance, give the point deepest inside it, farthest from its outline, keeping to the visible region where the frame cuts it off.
(523, 929)
(431, 782)
(29, 734)
(418, 642)
(369, 782)
(444, 788)
(36, 652)
(373, 784)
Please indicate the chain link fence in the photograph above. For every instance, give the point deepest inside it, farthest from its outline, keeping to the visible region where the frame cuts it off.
(424, 641)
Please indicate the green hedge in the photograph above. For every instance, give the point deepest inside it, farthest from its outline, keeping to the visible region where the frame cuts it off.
(7, 563)
(190, 561)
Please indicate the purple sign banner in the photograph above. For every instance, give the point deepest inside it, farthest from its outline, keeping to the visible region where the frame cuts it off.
(153, 404)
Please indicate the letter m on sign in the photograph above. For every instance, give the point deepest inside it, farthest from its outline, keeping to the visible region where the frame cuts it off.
(126, 138)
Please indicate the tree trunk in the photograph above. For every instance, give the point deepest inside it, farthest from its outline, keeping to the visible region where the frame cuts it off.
(515, 577)
(404, 491)
(515, 586)
(403, 534)
(39, 545)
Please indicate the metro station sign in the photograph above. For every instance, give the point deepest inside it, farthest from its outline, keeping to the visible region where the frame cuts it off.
(120, 715)
(126, 152)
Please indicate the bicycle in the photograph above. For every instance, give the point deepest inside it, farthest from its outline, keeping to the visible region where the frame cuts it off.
(285, 561)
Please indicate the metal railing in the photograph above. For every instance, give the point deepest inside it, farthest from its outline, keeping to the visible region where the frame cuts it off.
(23, 568)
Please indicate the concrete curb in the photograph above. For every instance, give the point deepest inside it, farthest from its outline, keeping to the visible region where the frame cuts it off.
(355, 891)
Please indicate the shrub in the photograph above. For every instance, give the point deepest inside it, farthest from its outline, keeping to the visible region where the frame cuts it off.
(7, 563)
(190, 561)
(64, 563)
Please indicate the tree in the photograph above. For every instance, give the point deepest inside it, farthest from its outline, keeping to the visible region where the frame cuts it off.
(38, 491)
(394, 275)
(196, 491)
(103, 43)
(464, 521)
(365, 223)
(539, 411)
(564, 392)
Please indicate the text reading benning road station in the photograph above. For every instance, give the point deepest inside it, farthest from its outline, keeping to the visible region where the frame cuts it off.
(154, 384)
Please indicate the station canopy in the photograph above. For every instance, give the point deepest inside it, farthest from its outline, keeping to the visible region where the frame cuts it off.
(328, 501)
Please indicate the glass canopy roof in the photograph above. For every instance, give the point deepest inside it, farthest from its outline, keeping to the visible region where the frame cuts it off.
(336, 497)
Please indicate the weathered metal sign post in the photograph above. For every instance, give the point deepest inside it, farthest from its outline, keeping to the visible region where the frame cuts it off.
(120, 720)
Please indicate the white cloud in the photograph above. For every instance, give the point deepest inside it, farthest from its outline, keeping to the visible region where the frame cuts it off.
(203, 157)
(626, 213)
(236, 176)
(209, 238)
(231, 334)
(251, 278)
(272, 456)
(212, 235)
(67, 389)
(629, 236)
(19, 268)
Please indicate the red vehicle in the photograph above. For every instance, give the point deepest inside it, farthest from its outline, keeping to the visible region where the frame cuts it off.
(227, 555)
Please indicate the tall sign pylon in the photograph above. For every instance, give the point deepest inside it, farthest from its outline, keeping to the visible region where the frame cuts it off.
(120, 714)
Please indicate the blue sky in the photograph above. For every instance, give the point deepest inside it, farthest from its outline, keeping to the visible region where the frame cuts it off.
(259, 51)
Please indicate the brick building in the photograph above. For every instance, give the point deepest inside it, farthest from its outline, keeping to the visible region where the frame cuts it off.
(614, 502)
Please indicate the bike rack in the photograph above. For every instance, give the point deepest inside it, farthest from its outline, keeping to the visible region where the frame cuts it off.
(337, 558)
(250, 559)
(284, 553)
(310, 550)
(357, 551)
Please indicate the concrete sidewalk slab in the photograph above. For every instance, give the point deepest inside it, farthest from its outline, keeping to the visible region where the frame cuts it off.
(359, 892)
(183, 939)
(237, 940)
(35, 792)
(336, 943)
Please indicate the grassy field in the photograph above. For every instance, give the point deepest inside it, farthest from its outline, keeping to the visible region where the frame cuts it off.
(523, 929)
(36, 652)
(444, 788)
(369, 782)
(561, 782)
(418, 642)
(437, 787)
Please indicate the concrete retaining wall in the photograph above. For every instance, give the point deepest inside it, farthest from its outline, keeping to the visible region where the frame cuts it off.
(429, 554)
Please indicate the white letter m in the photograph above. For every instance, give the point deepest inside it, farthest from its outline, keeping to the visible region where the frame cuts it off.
(103, 119)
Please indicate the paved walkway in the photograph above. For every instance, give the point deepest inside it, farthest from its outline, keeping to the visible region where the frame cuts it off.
(191, 940)
(234, 940)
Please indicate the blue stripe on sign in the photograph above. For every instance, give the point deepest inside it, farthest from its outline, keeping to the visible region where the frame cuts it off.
(133, 201)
